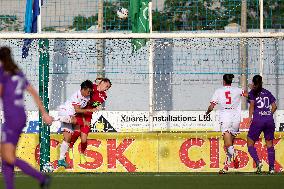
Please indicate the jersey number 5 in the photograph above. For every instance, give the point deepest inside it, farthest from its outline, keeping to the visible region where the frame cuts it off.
(228, 97)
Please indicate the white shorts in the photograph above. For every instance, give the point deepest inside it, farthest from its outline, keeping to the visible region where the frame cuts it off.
(230, 127)
(68, 127)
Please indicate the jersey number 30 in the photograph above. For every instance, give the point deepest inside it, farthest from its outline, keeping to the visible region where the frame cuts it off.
(228, 97)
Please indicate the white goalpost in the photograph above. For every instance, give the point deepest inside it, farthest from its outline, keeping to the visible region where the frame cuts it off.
(116, 35)
(261, 45)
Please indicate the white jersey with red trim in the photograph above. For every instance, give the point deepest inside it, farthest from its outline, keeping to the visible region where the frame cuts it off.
(76, 99)
(229, 100)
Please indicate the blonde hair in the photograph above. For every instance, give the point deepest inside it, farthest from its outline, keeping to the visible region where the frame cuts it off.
(101, 79)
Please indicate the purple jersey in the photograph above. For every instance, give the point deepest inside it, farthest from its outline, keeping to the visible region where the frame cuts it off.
(262, 104)
(12, 96)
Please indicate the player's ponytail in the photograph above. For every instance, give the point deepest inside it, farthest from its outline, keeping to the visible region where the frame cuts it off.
(228, 78)
(7, 61)
(257, 82)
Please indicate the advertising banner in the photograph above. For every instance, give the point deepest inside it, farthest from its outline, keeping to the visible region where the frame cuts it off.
(138, 121)
(152, 152)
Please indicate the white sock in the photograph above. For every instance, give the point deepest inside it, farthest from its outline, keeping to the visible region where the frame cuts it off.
(63, 149)
(230, 151)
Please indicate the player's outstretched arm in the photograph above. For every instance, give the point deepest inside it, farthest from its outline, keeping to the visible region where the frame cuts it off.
(1, 89)
(82, 111)
(210, 108)
(45, 116)
(93, 109)
(251, 110)
(273, 107)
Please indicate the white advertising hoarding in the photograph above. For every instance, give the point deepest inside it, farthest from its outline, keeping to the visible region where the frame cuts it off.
(138, 121)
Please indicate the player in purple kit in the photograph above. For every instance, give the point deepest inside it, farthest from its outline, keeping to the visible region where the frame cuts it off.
(261, 110)
(12, 85)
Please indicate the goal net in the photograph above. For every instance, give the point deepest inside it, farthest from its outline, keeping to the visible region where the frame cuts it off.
(185, 70)
(164, 86)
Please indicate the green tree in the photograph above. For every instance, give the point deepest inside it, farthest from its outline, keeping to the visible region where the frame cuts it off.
(273, 14)
(50, 28)
(200, 15)
(191, 15)
(9, 23)
(111, 21)
(84, 23)
(216, 14)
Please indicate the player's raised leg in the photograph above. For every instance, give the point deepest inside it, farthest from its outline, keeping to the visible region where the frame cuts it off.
(75, 135)
(230, 151)
(234, 132)
(67, 131)
(84, 135)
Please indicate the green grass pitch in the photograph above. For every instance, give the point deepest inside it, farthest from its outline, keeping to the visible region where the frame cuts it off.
(154, 181)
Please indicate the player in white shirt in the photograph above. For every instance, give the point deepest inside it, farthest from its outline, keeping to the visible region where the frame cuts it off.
(72, 106)
(229, 100)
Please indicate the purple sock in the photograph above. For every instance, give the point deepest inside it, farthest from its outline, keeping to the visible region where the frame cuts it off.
(271, 157)
(253, 154)
(8, 174)
(28, 170)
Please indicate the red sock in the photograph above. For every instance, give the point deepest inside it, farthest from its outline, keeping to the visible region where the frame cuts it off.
(75, 135)
(83, 147)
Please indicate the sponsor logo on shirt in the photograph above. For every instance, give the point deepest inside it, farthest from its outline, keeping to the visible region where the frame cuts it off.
(265, 113)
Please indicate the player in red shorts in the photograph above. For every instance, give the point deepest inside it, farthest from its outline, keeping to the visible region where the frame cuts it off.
(82, 122)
